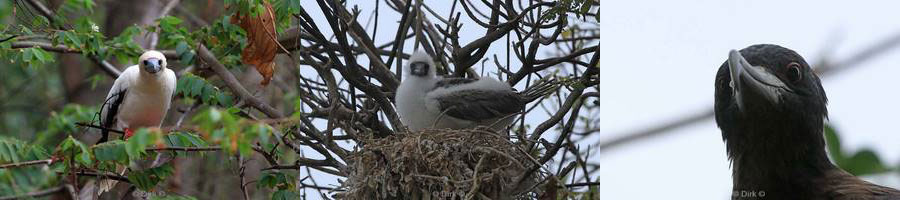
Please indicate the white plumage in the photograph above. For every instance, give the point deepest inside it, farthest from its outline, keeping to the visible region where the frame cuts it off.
(425, 100)
(141, 96)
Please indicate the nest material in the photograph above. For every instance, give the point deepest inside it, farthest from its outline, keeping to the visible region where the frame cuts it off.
(439, 164)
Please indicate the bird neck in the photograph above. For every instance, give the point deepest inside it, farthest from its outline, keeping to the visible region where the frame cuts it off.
(777, 155)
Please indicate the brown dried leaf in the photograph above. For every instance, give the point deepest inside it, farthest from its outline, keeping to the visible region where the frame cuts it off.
(261, 37)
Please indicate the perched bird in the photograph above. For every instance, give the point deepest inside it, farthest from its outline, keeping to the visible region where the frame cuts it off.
(770, 107)
(140, 97)
(425, 100)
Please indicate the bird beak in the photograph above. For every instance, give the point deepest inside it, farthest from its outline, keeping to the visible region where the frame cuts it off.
(418, 69)
(746, 77)
(152, 65)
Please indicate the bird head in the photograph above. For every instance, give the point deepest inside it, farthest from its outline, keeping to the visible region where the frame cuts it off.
(421, 65)
(152, 62)
(768, 94)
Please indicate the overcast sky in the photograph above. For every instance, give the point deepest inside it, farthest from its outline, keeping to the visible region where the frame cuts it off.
(659, 59)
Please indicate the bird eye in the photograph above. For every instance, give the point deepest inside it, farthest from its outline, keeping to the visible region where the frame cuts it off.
(794, 73)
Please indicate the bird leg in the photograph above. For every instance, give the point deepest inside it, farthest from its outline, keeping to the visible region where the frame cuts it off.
(128, 133)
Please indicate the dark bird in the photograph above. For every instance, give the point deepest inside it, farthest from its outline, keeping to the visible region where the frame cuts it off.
(770, 107)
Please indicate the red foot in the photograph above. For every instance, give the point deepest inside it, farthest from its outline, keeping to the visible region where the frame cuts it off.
(128, 133)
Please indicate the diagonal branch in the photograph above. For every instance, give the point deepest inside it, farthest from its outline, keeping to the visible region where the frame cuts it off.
(234, 84)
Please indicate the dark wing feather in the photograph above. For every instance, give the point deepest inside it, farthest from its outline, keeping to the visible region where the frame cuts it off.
(476, 105)
(111, 106)
(450, 82)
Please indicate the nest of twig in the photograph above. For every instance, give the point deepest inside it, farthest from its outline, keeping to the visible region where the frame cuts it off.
(439, 164)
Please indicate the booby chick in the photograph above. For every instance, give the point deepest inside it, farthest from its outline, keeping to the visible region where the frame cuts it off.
(140, 97)
(425, 100)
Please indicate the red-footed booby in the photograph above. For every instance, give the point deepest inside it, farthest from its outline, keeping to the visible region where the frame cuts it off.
(140, 97)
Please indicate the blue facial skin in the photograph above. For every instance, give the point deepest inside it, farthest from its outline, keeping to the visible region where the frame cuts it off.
(152, 65)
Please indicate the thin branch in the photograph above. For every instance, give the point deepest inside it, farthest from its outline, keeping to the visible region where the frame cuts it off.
(188, 149)
(104, 175)
(27, 163)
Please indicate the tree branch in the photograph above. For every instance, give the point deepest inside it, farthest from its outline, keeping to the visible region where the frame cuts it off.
(234, 84)
(27, 163)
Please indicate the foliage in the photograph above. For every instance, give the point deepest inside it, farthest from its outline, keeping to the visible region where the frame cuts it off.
(860, 162)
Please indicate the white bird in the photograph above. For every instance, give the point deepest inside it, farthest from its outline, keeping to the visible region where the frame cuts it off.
(425, 100)
(140, 97)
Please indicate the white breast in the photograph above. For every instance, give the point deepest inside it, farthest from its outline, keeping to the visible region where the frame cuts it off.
(411, 103)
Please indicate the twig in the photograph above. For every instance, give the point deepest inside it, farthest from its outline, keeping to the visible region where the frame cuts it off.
(188, 149)
(241, 168)
(27, 163)
(582, 184)
(104, 175)
(100, 127)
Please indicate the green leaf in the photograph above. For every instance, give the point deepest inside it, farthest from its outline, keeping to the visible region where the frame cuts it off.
(834, 145)
(71, 146)
(182, 139)
(111, 151)
(27, 54)
(864, 162)
(147, 179)
(42, 56)
(14, 150)
(285, 195)
(196, 87)
(137, 144)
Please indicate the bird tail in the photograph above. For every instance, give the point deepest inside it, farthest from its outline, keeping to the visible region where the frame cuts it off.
(542, 88)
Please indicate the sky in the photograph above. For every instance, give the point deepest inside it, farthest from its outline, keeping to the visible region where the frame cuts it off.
(659, 59)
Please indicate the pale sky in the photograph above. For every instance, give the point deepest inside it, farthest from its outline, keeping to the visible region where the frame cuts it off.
(659, 59)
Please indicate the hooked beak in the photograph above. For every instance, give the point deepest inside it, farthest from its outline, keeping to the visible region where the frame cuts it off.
(748, 80)
(152, 65)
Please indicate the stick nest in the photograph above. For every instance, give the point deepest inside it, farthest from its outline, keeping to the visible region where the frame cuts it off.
(438, 164)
